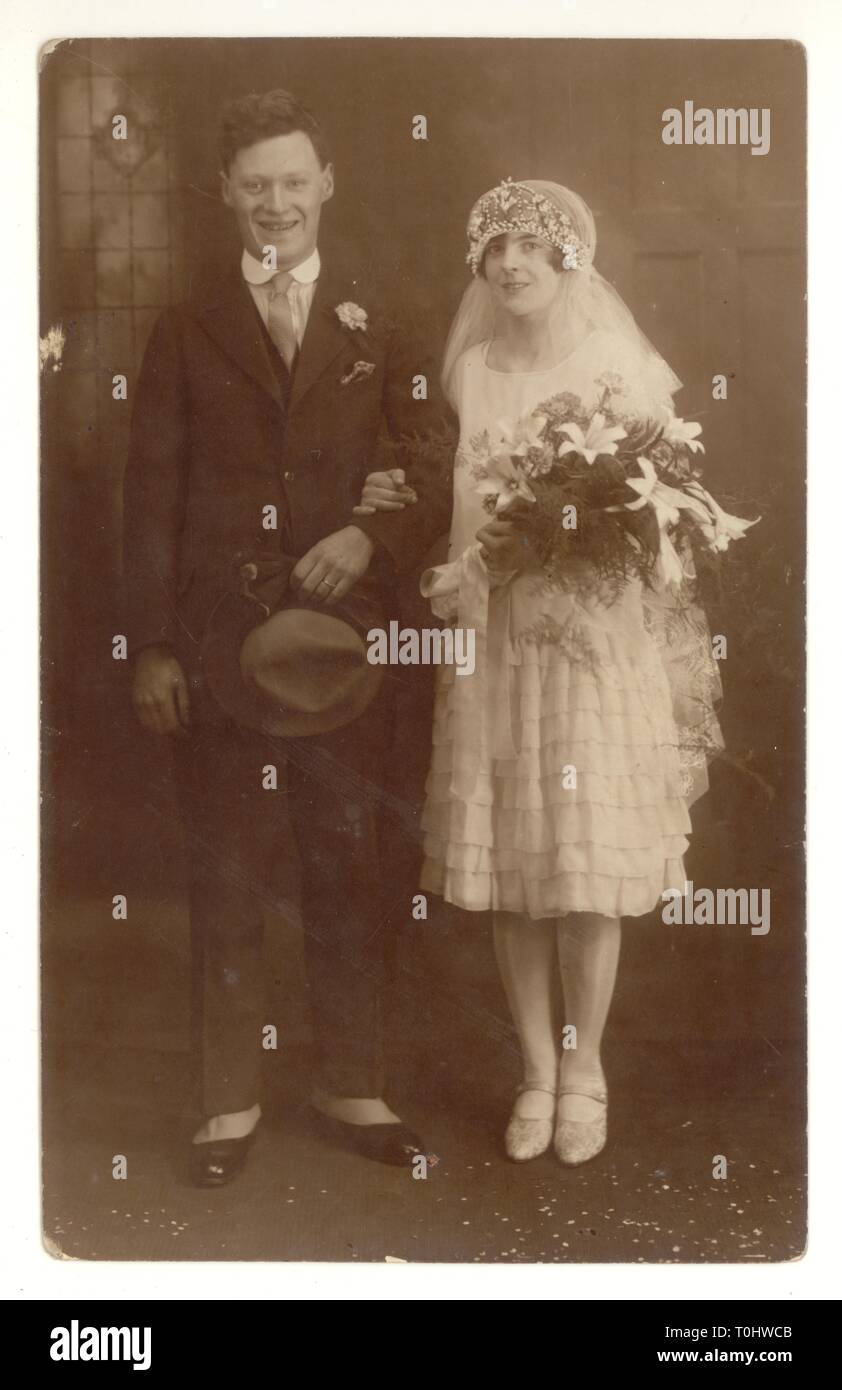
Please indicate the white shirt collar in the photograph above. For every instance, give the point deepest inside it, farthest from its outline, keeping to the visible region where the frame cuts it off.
(256, 273)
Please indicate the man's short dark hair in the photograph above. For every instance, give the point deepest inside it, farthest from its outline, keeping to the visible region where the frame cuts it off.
(260, 116)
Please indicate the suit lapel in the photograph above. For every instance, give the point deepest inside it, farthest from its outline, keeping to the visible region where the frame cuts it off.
(230, 317)
(324, 339)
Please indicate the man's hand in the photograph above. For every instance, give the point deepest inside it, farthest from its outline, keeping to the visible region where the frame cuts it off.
(333, 566)
(159, 693)
(505, 550)
(385, 492)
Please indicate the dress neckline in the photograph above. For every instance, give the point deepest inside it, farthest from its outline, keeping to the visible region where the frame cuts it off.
(542, 371)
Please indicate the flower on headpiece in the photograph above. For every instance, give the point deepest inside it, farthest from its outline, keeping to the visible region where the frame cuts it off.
(352, 316)
(505, 194)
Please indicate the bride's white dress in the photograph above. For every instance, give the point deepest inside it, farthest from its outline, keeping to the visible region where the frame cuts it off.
(555, 784)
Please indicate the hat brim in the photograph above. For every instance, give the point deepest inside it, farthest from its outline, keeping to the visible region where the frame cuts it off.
(298, 672)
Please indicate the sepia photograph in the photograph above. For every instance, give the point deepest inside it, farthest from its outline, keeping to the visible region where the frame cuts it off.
(422, 584)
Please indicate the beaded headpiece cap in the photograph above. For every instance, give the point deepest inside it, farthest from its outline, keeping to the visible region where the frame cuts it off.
(514, 207)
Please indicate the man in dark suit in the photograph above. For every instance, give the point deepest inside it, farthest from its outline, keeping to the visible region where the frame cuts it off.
(256, 419)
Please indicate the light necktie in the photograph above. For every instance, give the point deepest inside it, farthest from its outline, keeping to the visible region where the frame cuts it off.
(280, 325)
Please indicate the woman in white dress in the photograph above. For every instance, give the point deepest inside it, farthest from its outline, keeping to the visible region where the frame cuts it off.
(557, 797)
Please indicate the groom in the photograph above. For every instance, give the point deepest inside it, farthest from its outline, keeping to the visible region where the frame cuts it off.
(255, 422)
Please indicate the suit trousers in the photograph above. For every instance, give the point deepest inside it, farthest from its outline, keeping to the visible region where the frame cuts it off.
(326, 811)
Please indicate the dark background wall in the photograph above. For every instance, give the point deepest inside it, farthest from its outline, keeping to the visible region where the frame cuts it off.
(705, 243)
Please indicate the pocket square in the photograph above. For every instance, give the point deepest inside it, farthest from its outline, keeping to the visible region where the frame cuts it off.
(358, 372)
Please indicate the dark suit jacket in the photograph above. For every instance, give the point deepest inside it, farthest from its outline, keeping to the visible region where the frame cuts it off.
(216, 438)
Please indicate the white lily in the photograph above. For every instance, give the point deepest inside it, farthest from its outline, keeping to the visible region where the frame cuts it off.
(523, 435)
(651, 492)
(684, 432)
(667, 501)
(670, 568)
(598, 439)
(506, 482)
(719, 527)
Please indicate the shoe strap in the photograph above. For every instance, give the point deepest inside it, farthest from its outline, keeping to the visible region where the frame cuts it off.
(601, 1096)
(524, 1086)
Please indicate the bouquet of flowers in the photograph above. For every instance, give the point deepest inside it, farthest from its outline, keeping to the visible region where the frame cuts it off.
(603, 494)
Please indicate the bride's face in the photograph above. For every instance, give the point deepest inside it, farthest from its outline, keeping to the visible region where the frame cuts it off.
(519, 270)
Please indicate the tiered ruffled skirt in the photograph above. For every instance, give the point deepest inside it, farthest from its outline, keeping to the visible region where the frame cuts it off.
(588, 814)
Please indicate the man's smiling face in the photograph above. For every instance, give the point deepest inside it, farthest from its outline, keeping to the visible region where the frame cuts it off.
(276, 189)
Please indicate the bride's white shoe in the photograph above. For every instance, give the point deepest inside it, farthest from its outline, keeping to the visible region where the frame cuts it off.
(577, 1141)
(527, 1138)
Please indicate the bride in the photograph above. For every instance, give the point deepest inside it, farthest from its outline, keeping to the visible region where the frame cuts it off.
(558, 792)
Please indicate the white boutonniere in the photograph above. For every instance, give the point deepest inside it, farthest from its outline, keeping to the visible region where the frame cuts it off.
(352, 316)
(358, 371)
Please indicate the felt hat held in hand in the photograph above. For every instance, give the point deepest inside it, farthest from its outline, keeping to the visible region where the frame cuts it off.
(285, 665)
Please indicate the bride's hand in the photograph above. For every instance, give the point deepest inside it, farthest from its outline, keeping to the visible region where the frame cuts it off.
(504, 549)
(385, 492)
